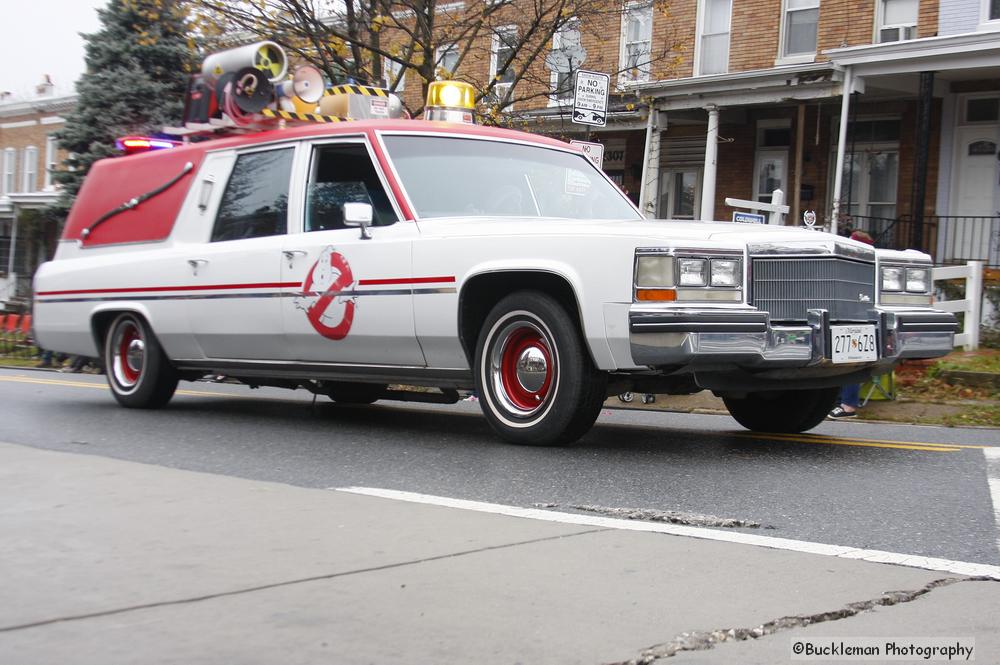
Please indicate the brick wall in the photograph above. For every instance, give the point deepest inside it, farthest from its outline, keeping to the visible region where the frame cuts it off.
(927, 21)
(31, 132)
(844, 23)
(753, 42)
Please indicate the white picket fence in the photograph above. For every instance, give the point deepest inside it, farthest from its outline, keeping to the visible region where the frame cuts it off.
(972, 273)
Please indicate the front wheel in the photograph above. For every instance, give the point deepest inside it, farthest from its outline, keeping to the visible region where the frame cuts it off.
(783, 411)
(139, 373)
(536, 381)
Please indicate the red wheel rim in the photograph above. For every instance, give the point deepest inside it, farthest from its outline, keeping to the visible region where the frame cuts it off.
(520, 341)
(128, 354)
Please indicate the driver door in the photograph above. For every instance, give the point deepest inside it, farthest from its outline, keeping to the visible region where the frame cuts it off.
(354, 304)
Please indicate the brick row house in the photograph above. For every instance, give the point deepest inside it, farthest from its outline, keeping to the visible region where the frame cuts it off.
(760, 83)
(28, 156)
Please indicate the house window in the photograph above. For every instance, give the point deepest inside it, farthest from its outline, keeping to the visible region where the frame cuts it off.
(637, 38)
(391, 70)
(982, 109)
(871, 172)
(51, 152)
(502, 62)
(713, 40)
(799, 27)
(9, 166)
(680, 194)
(991, 11)
(567, 54)
(447, 61)
(897, 20)
(29, 169)
(771, 163)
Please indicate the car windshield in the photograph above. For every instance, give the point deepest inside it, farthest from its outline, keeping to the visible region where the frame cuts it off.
(466, 177)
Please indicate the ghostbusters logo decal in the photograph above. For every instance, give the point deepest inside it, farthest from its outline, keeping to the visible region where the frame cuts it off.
(330, 313)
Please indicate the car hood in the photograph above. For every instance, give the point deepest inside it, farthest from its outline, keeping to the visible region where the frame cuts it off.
(650, 232)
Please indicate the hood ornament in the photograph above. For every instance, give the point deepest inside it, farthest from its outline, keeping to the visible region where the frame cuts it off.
(809, 218)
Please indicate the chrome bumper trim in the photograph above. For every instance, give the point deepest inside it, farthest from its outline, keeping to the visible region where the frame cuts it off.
(747, 339)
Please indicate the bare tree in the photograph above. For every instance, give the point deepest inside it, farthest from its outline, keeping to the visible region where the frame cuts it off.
(504, 48)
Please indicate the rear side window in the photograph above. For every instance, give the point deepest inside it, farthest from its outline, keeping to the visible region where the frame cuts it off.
(255, 203)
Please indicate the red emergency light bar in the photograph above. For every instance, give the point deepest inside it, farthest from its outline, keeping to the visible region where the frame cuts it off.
(131, 145)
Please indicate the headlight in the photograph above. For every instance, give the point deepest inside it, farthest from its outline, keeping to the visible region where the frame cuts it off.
(918, 280)
(892, 278)
(654, 271)
(725, 272)
(692, 272)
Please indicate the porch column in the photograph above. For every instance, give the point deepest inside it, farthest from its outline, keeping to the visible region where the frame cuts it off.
(711, 164)
(13, 243)
(650, 185)
(919, 196)
(838, 175)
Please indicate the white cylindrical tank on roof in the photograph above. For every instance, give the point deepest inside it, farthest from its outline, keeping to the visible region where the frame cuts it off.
(265, 56)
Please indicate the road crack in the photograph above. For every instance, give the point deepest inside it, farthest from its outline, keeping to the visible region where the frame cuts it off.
(286, 583)
(669, 516)
(701, 640)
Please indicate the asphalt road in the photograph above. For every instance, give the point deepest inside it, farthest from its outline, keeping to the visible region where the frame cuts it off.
(908, 489)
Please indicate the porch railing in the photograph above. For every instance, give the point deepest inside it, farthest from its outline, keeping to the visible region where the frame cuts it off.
(950, 239)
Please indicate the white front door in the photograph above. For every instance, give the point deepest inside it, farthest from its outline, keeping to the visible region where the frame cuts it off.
(976, 194)
(976, 181)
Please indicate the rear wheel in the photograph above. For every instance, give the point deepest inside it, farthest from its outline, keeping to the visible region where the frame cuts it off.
(350, 392)
(783, 411)
(139, 374)
(536, 382)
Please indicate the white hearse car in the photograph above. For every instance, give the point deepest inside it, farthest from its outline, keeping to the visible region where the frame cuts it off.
(344, 258)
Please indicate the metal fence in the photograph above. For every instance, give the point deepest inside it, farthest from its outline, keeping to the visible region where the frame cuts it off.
(950, 239)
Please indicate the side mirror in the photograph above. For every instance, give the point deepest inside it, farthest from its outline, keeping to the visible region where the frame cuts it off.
(359, 214)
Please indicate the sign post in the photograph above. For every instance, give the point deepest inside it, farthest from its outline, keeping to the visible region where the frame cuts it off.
(590, 98)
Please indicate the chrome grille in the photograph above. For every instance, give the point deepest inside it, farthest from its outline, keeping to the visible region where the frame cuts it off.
(788, 287)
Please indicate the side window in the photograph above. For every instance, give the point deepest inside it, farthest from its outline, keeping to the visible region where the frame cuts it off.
(255, 203)
(344, 174)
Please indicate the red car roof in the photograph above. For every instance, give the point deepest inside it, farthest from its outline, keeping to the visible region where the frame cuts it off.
(114, 181)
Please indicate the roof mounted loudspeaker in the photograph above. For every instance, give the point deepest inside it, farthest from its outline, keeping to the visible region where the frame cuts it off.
(267, 57)
(304, 90)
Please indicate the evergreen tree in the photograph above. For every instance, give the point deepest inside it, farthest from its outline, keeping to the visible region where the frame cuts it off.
(137, 70)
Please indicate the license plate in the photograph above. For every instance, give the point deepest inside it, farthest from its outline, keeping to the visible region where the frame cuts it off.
(852, 344)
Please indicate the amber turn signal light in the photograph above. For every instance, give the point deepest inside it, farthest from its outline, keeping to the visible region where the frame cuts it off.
(660, 295)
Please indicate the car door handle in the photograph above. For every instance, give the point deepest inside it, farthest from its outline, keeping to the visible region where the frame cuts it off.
(194, 263)
(290, 255)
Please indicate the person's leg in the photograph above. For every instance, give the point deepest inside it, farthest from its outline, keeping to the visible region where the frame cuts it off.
(850, 397)
(850, 401)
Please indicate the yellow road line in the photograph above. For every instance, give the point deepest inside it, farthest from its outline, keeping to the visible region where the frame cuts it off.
(52, 382)
(825, 438)
(100, 386)
(899, 445)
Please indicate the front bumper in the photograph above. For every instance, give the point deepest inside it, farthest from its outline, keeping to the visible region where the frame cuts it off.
(704, 338)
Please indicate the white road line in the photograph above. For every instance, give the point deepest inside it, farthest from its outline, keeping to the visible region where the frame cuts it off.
(993, 478)
(875, 556)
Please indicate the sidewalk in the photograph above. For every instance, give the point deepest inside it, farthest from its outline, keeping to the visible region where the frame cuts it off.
(109, 562)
